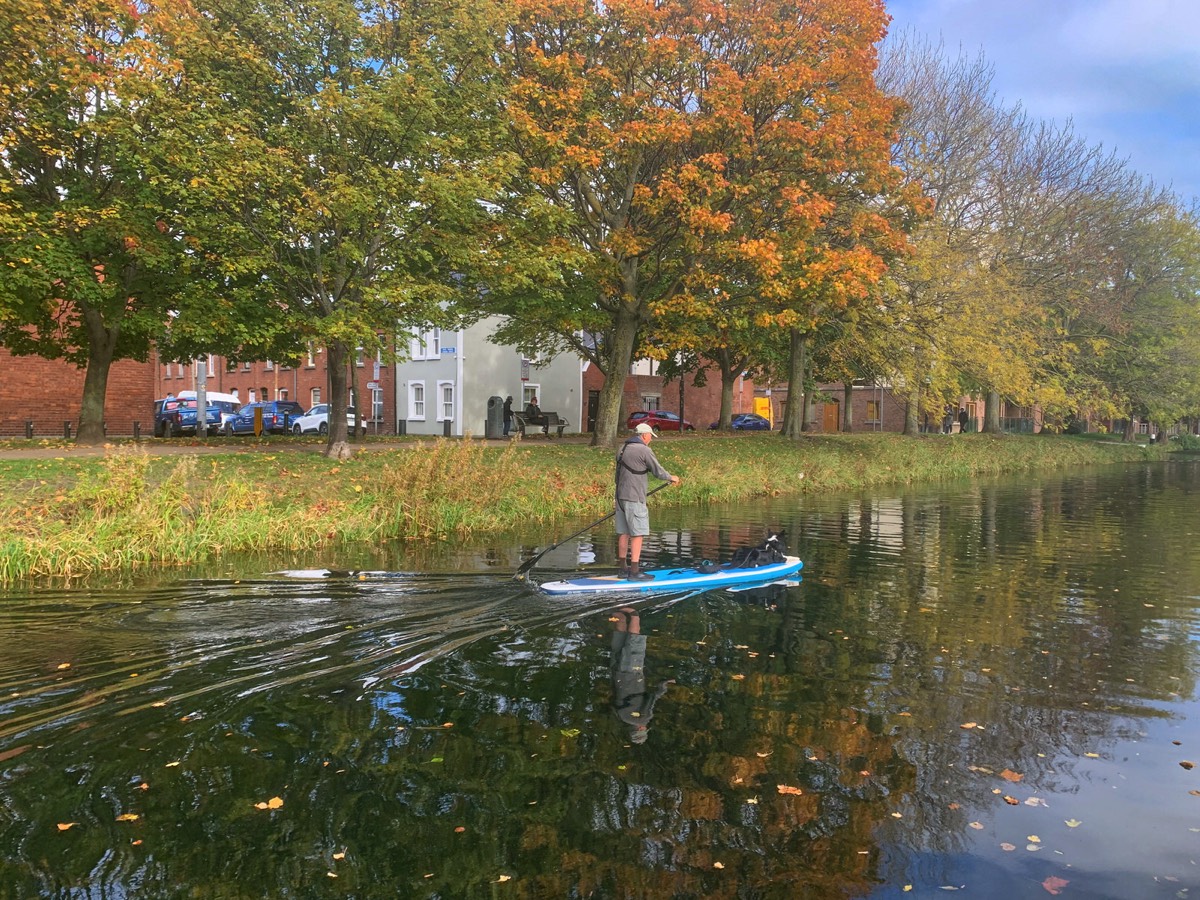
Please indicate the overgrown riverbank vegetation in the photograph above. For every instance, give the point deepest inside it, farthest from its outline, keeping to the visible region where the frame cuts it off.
(130, 510)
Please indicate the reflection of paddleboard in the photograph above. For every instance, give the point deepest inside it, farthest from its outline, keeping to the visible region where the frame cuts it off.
(676, 579)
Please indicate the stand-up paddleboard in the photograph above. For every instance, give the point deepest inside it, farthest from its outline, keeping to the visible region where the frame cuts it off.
(676, 579)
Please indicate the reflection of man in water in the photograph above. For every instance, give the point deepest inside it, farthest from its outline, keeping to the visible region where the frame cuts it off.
(633, 704)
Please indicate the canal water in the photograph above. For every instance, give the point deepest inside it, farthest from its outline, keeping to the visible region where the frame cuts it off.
(984, 687)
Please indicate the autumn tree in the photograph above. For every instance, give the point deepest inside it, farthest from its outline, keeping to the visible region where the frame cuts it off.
(676, 140)
(91, 265)
(343, 154)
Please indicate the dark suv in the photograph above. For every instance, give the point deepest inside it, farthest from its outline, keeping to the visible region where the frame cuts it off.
(277, 416)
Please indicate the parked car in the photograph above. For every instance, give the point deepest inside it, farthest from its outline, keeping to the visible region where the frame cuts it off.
(316, 420)
(177, 415)
(659, 420)
(746, 422)
(277, 417)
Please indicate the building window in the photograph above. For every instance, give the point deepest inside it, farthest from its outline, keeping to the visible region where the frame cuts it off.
(445, 401)
(230, 365)
(281, 394)
(529, 392)
(416, 400)
(268, 366)
(377, 405)
(872, 412)
(234, 392)
(651, 401)
(264, 394)
(314, 396)
(245, 366)
(358, 357)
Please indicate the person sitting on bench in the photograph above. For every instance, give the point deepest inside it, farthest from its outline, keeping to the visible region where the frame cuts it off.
(534, 416)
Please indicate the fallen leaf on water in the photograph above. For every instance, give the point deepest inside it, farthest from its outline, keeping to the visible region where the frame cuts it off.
(976, 825)
(1010, 775)
(953, 806)
(1033, 848)
(788, 789)
(718, 865)
(1033, 839)
(570, 732)
(273, 803)
(127, 817)
(1007, 847)
(64, 666)
(1011, 801)
(331, 874)
(907, 888)
(897, 815)
(172, 764)
(1037, 801)
(738, 677)
(967, 725)
(460, 829)
(1188, 764)
(1092, 755)
(503, 878)
(1054, 884)
(63, 826)
(341, 855)
(1194, 793)
(1073, 823)
(761, 755)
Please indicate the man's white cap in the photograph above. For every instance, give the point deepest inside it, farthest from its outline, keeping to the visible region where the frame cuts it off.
(644, 428)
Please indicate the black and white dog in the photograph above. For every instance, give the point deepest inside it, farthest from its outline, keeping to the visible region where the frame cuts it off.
(773, 549)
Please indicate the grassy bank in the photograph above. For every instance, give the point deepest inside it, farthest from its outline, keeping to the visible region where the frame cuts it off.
(64, 517)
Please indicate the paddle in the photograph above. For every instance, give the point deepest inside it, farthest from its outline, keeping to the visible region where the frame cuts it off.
(530, 563)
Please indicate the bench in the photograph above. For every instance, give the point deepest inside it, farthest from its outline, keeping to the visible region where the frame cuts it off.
(553, 420)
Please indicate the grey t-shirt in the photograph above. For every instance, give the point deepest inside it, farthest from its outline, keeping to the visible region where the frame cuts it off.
(635, 460)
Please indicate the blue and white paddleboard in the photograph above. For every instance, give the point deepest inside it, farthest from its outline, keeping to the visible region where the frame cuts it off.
(676, 579)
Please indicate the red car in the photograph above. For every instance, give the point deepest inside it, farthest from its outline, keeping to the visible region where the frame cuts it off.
(659, 420)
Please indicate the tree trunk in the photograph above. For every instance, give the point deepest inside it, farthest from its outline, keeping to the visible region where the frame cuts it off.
(620, 358)
(793, 412)
(848, 406)
(728, 380)
(101, 341)
(912, 410)
(1130, 429)
(991, 412)
(335, 357)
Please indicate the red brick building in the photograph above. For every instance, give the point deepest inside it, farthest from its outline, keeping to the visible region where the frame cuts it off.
(42, 395)
(646, 390)
(306, 383)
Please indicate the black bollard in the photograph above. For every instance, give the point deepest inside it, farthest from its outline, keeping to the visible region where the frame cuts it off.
(29, 428)
(67, 430)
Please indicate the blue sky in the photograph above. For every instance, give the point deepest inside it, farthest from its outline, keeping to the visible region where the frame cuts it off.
(1127, 72)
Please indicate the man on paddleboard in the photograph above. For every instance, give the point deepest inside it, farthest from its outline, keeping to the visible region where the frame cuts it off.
(635, 460)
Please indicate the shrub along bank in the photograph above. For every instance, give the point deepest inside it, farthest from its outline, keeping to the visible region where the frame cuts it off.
(66, 518)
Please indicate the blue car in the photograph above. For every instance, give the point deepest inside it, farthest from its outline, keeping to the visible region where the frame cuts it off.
(277, 417)
(746, 422)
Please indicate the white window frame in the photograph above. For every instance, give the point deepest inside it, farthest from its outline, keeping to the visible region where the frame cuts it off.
(443, 404)
(529, 389)
(377, 405)
(312, 362)
(268, 366)
(416, 350)
(314, 397)
(416, 407)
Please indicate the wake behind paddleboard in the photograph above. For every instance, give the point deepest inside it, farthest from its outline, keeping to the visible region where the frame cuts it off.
(676, 579)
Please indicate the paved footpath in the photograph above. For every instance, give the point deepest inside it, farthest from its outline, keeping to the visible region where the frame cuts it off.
(19, 449)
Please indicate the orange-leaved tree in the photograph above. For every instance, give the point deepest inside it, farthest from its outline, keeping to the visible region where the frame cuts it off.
(690, 149)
